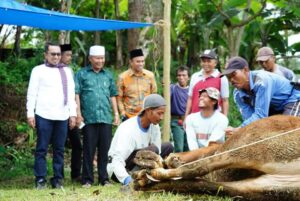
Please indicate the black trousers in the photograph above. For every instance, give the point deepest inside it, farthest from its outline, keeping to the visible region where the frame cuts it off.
(76, 155)
(95, 136)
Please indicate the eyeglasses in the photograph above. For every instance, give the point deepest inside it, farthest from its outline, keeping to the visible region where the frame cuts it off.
(55, 54)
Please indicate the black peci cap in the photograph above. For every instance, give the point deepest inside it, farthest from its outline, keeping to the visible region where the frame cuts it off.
(136, 53)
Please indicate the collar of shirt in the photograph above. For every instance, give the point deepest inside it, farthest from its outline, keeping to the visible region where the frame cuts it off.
(243, 93)
(140, 124)
(131, 73)
(90, 68)
(186, 87)
(216, 73)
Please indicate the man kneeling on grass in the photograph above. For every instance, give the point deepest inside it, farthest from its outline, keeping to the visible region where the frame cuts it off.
(141, 132)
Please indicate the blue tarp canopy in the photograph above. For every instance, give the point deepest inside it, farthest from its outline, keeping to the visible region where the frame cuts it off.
(15, 13)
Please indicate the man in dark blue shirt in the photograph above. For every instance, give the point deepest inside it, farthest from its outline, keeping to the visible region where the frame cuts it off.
(179, 97)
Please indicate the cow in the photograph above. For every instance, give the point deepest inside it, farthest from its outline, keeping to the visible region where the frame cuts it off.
(261, 161)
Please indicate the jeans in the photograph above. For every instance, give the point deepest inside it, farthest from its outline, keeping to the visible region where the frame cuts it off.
(179, 136)
(50, 132)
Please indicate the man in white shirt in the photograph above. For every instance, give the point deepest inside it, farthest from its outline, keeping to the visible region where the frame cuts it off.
(205, 130)
(134, 134)
(50, 108)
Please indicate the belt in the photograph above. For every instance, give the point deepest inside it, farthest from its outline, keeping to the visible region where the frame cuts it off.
(177, 117)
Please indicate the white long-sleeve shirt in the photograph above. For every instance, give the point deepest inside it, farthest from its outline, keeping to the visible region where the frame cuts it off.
(129, 137)
(200, 130)
(45, 94)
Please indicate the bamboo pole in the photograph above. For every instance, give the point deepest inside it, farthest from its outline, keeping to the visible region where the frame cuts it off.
(167, 63)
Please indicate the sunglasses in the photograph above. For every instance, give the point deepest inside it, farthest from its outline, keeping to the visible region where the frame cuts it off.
(55, 54)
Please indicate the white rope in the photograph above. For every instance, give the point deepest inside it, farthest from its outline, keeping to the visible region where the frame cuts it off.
(297, 110)
(241, 147)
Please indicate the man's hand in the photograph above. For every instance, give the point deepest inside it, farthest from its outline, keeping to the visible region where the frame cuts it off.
(229, 131)
(116, 120)
(31, 122)
(79, 119)
(72, 122)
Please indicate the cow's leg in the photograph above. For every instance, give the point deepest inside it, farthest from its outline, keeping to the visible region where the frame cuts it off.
(193, 169)
(266, 187)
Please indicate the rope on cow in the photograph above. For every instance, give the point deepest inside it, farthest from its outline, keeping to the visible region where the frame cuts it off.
(241, 147)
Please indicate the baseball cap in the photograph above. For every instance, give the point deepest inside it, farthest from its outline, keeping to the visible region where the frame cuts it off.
(211, 92)
(211, 54)
(152, 101)
(235, 63)
(97, 50)
(264, 54)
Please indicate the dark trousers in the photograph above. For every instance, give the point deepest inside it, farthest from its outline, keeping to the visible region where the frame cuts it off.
(179, 136)
(55, 132)
(166, 149)
(95, 136)
(76, 155)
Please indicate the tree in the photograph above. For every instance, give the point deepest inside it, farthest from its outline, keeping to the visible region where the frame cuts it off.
(135, 13)
(119, 46)
(234, 24)
(64, 36)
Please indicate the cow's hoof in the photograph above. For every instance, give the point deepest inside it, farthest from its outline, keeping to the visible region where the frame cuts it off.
(148, 159)
(172, 161)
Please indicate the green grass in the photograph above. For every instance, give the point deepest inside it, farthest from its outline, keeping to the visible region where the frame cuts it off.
(17, 184)
(22, 188)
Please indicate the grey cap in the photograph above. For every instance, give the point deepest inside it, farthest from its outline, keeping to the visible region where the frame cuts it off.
(235, 63)
(152, 101)
(264, 54)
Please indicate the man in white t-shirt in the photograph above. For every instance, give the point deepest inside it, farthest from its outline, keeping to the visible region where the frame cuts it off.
(134, 134)
(205, 130)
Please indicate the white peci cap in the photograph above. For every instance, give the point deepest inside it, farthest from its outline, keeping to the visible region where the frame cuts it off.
(97, 50)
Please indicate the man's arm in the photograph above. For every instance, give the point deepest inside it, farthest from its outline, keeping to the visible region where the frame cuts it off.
(120, 86)
(115, 109)
(225, 95)
(191, 134)
(153, 85)
(225, 106)
(188, 107)
(32, 96)
(79, 118)
(263, 95)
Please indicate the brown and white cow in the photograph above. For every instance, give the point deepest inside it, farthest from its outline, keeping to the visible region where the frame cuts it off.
(259, 162)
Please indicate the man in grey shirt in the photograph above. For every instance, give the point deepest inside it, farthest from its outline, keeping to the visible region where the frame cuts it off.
(266, 58)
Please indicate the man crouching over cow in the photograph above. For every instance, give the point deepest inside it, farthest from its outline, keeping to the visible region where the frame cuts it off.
(205, 129)
(141, 132)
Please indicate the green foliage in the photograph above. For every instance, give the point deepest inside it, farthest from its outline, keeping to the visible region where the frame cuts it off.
(15, 162)
(234, 116)
(17, 70)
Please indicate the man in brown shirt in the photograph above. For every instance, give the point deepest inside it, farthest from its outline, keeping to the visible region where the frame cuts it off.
(134, 85)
